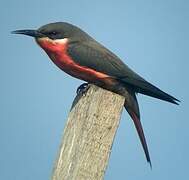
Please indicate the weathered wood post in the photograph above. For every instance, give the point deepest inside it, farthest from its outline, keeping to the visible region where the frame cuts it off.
(88, 136)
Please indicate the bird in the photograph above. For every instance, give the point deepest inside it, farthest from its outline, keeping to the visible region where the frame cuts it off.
(78, 54)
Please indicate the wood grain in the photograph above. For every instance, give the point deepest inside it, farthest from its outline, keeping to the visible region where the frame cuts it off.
(88, 136)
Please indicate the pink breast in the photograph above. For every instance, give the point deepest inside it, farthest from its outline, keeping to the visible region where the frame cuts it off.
(58, 54)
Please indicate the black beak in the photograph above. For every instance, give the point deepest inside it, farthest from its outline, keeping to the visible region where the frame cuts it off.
(33, 33)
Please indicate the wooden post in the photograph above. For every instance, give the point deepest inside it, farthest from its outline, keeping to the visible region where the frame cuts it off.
(88, 136)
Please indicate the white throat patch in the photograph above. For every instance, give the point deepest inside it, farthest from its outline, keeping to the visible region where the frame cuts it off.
(61, 41)
(58, 41)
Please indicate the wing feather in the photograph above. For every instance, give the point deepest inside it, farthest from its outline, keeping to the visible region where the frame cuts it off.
(93, 55)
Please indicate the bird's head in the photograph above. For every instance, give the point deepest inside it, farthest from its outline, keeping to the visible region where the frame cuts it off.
(54, 36)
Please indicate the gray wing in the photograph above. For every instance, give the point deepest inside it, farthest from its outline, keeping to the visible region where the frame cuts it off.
(93, 55)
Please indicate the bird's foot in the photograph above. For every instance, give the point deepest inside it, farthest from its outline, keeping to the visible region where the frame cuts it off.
(82, 89)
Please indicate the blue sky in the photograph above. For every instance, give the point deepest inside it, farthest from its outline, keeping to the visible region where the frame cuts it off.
(149, 36)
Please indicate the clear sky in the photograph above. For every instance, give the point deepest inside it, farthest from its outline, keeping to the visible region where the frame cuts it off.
(149, 36)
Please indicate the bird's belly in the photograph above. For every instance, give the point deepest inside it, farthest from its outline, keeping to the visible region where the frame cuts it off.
(58, 54)
(65, 63)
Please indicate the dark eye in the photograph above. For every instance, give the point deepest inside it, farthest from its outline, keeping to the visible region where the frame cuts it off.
(52, 33)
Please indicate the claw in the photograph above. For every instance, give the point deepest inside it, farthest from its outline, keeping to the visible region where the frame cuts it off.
(82, 88)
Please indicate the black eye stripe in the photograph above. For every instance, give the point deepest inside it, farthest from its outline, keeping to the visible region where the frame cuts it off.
(52, 33)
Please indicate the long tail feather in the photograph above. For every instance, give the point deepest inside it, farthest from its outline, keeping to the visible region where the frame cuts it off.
(132, 108)
(141, 135)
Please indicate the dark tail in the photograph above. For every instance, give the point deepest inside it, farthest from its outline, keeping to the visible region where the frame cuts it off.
(153, 91)
(142, 86)
(131, 105)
